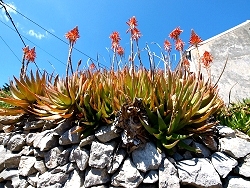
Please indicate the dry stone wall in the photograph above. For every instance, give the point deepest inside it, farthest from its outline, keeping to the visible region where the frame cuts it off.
(56, 158)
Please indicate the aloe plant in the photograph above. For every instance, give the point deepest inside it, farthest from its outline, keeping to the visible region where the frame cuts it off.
(59, 100)
(182, 106)
(24, 93)
(175, 104)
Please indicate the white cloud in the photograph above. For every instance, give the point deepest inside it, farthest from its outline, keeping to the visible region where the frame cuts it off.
(36, 34)
(11, 10)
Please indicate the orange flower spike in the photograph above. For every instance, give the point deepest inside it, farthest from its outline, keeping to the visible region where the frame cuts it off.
(179, 44)
(167, 46)
(175, 33)
(115, 39)
(207, 59)
(186, 62)
(30, 55)
(194, 39)
(73, 35)
(136, 34)
(25, 50)
(132, 23)
(120, 51)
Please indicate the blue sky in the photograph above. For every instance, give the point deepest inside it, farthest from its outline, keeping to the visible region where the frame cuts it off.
(97, 19)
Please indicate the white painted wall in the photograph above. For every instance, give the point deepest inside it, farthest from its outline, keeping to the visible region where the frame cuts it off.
(234, 43)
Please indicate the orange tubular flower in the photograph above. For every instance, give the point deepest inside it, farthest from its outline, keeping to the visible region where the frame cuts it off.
(73, 35)
(115, 39)
(120, 51)
(25, 50)
(179, 44)
(194, 39)
(207, 59)
(30, 55)
(136, 34)
(175, 33)
(167, 46)
(132, 23)
(186, 62)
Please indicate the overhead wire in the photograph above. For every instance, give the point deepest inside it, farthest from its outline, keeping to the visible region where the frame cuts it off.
(10, 48)
(49, 32)
(8, 15)
(34, 44)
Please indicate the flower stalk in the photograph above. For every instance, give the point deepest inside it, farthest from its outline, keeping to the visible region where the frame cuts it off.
(72, 36)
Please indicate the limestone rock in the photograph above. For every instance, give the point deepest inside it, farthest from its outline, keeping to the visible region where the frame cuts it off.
(210, 142)
(51, 157)
(205, 152)
(100, 154)
(38, 153)
(56, 185)
(177, 156)
(39, 161)
(71, 157)
(26, 165)
(225, 131)
(234, 181)
(48, 125)
(38, 138)
(30, 138)
(148, 185)
(8, 120)
(40, 166)
(2, 136)
(63, 158)
(235, 147)
(95, 176)
(3, 153)
(244, 167)
(8, 160)
(106, 133)
(151, 176)
(8, 174)
(87, 141)
(242, 135)
(16, 142)
(33, 179)
(29, 125)
(27, 150)
(48, 141)
(198, 172)
(101, 186)
(168, 175)
(222, 163)
(147, 158)
(187, 155)
(81, 157)
(62, 127)
(18, 182)
(69, 137)
(67, 168)
(47, 179)
(116, 160)
(6, 139)
(75, 180)
(127, 176)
